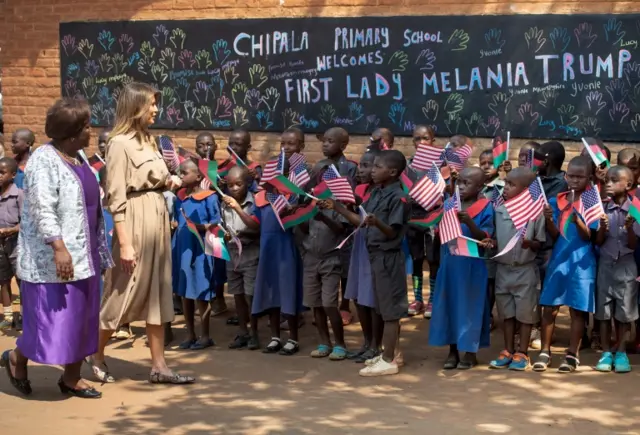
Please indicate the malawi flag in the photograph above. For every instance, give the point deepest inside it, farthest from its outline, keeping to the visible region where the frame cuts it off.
(408, 178)
(209, 169)
(565, 221)
(285, 186)
(634, 210)
(300, 215)
(214, 243)
(465, 247)
(500, 150)
(431, 220)
(322, 191)
(192, 228)
(593, 149)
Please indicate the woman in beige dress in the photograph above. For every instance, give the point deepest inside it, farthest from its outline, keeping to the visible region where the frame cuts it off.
(139, 286)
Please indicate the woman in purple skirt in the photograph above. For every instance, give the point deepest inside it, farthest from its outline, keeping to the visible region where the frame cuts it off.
(61, 252)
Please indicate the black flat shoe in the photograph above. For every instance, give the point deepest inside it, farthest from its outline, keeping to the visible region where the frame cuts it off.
(22, 385)
(84, 393)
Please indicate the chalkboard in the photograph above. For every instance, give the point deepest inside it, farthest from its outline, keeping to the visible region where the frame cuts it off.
(548, 76)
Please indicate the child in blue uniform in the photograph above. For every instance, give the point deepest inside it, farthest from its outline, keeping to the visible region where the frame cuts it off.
(571, 274)
(194, 278)
(461, 307)
(279, 277)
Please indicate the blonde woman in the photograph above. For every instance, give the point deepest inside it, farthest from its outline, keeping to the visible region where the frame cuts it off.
(139, 286)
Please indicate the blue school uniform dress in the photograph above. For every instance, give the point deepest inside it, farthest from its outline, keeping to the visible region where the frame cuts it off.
(571, 274)
(194, 273)
(19, 178)
(460, 306)
(279, 276)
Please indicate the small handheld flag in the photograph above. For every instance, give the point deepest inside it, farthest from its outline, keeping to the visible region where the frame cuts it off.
(169, 154)
(426, 156)
(513, 242)
(500, 150)
(595, 152)
(527, 205)
(192, 228)
(214, 243)
(465, 247)
(428, 191)
(450, 225)
(235, 156)
(533, 160)
(590, 207)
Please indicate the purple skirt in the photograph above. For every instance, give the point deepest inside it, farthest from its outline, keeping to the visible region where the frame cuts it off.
(60, 321)
(360, 280)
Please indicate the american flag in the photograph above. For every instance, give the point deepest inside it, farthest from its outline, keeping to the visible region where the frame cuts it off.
(426, 156)
(428, 191)
(449, 226)
(532, 160)
(299, 175)
(456, 159)
(590, 206)
(278, 204)
(514, 241)
(273, 168)
(339, 186)
(169, 153)
(296, 160)
(496, 197)
(527, 205)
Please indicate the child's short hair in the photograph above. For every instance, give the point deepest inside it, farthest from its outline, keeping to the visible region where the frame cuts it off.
(241, 171)
(373, 153)
(460, 140)
(393, 159)
(204, 134)
(554, 153)
(627, 154)
(29, 136)
(10, 163)
(299, 133)
(583, 161)
(430, 131)
(488, 151)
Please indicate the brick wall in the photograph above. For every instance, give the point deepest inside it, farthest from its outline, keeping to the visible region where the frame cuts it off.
(29, 41)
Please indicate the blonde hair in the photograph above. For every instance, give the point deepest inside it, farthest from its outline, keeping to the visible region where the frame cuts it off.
(132, 111)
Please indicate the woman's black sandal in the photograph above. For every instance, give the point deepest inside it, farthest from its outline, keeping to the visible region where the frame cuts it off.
(22, 385)
(174, 379)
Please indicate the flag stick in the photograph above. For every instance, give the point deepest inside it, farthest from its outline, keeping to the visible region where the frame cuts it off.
(542, 190)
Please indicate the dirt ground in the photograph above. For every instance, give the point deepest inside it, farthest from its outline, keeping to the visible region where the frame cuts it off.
(243, 392)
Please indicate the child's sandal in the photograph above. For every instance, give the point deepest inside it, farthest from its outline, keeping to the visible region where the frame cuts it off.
(569, 365)
(322, 351)
(543, 361)
(339, 353)
(289, 349)
(274, 346)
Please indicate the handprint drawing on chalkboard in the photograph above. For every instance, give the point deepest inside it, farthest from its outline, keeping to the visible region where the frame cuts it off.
(372, 122)
(458, 40)
(135, 57)
(426, 60)
(617, 91)
(201, 92)
(327, 113)
(452, 122)
(548, 99)
(491, 127)
(168, 97)
(85, 48)
(493, 38)
(204, 59)
(161, 35)
(186, 59)
(595, 103)
(635, 122)
(398, 61)
(527, 115)
(215, 86)
(106, 39)
(177, 38)
(158, 73)
(499, 103)
(147, 50)
(71, 88)
(189, 109)
(632, 73)
(91, 67)
(584, 35)
(396, 113)
(116, 94)
(144, 67)
(229, 74)
(619, 112)
(104, 96)
(182, 89)
(560, 39)
(239, 117)
(223, 107)
(473, 123)
(264, 119)
(220, 51)
(257, 75)
(454, 103)
(119, 63)
(238, 92)
(174, 116)
(290, 118)
(355, 111)
(73, 70)
(168, 58)
(430, 111)
(203, 116)
(613, 31)
(590, 127)
(89, 86)
(101, 114)
(535, 39)
(126, 43)
(568, 114)
(69, 44)
(270, 98)
(253, 99)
